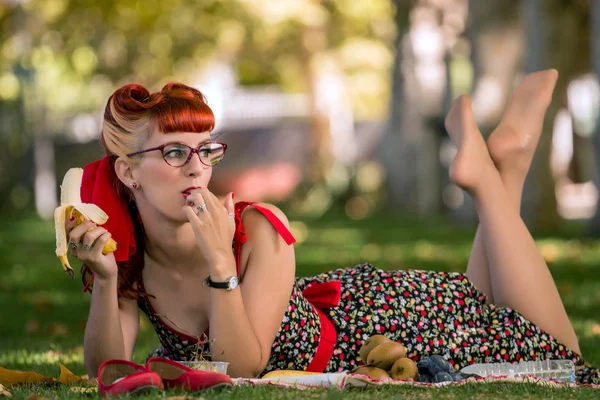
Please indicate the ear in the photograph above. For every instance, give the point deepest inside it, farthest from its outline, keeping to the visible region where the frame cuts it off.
(124, 171)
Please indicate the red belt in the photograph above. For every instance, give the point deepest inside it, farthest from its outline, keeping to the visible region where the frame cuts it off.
(321, 296)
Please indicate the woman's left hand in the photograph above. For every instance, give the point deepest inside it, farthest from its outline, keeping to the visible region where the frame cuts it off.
(214, 226)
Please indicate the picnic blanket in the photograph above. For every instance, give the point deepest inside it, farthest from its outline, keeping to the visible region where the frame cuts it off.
(342, 380)
(339, 381)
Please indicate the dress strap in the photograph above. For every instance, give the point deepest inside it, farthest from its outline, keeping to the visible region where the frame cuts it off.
(239, 236)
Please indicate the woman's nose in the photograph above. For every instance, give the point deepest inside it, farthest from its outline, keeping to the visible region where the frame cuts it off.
(195, 167)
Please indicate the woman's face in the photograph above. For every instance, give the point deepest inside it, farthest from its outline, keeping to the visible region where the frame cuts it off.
(164, 187)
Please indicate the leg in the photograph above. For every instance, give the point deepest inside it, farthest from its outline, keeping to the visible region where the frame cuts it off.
(511, 146)
(519, 275)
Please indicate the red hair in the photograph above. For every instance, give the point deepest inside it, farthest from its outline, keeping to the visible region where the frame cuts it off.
(131, 115)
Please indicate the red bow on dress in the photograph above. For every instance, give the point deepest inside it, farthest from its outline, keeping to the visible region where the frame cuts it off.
(325, 294)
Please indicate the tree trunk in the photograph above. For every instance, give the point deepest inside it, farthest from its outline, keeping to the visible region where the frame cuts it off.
(472, 35)
(594, 227)
(314, 44)
(539, 196)
(397, 150)
(45, 178)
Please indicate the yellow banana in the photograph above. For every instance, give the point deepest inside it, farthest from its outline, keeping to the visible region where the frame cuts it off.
(71, 206)
(287, 373)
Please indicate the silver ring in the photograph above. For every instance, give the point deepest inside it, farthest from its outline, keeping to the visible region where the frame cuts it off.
(73, 245)
(231, 215)
(87, 247)
(201, 208)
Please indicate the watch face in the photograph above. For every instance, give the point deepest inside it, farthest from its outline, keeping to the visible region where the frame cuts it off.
(233, 283)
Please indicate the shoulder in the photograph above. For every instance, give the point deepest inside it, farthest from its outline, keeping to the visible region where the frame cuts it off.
(253, 219)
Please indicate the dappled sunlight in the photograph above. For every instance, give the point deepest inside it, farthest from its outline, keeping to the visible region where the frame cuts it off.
(585, 295)
(335, 235)
(385, 256)
(299, 230)
(586, 328)
(554, 250)
(52, 357)
(47, 311)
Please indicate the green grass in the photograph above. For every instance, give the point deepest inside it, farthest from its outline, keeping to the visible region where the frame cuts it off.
(43, 312)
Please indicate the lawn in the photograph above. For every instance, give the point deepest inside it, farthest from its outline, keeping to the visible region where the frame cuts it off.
(44, 312)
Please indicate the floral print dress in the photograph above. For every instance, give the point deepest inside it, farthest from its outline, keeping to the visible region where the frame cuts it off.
(428, 312)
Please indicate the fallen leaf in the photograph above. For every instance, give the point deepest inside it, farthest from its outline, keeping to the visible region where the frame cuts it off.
(9, 377)
(67, 377)
(12, 377)
(4, 392)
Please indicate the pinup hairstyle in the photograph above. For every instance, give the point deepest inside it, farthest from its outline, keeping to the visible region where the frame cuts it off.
(131, 116)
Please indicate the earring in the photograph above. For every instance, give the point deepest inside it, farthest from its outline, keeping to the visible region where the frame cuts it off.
(134, 185)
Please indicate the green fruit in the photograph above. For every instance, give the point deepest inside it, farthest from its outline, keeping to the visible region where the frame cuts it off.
(372, 372)
(404, 369)
(370, 344)
(385, 355)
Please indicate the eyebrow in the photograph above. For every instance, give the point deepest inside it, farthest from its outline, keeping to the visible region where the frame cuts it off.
(180, 142)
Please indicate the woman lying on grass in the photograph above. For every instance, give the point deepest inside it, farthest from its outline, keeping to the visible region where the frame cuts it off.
(225, 272)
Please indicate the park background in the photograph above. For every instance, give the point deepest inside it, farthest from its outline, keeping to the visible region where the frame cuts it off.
(333, 109)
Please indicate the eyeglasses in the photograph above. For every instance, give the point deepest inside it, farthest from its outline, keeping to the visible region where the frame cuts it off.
(178, 154)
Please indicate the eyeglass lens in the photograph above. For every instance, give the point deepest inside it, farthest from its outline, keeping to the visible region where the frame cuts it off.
(177, 154)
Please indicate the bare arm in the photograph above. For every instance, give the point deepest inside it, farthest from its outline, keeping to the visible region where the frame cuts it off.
(243, 323)
(110, 332)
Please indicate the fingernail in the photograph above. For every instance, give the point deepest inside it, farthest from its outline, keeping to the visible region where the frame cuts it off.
(232, 195)
(72, 218)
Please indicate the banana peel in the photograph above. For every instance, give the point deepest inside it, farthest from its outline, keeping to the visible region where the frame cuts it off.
(71, 206)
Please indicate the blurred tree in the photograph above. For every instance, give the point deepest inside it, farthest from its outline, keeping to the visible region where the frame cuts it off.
(318, 46)
(558, 37)
(61, 58)
(74, 54)
(594, 228)
(398, 150)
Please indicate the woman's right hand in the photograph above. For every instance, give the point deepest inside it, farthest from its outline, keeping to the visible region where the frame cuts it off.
(89, 234)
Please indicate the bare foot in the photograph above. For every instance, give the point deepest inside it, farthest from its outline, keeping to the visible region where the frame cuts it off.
(512, 144)
(472, 160)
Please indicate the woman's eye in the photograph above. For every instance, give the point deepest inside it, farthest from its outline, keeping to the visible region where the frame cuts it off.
(176, 153)
(205, 152)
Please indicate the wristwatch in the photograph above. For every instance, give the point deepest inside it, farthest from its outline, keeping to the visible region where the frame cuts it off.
(229, 284)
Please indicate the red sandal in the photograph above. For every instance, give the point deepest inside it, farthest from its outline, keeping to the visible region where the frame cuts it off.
(116, 377)
(176, 375)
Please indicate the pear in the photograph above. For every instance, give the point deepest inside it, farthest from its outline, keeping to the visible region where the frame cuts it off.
(370, 344)
(404, 369)
(384, 355)
(372, 372)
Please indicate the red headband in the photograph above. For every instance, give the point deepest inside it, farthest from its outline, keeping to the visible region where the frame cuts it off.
(99, 187)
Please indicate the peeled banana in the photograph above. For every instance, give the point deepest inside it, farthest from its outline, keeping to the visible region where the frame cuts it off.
(71, 206)
(287, 373)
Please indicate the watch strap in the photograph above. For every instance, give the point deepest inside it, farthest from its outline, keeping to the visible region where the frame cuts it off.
(218, 285)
